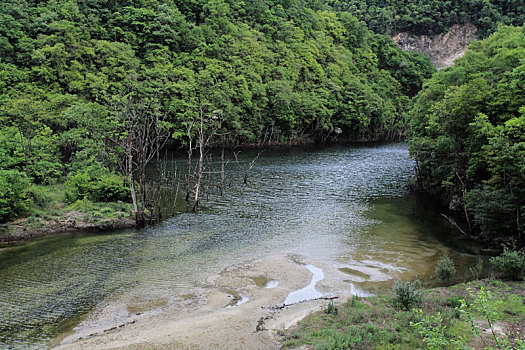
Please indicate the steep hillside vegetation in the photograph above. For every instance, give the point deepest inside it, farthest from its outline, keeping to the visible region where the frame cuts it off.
(271, 71)
(468, 135)
(430, 17)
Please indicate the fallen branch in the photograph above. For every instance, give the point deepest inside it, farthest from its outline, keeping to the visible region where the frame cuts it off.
(280, 307)
(454, 224)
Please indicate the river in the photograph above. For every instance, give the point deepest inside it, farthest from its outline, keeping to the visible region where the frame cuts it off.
(347, 206)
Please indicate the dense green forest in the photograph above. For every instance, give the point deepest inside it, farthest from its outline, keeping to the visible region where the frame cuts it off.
(468, 135)
(430, 17)
(271, 71)
(75, 76)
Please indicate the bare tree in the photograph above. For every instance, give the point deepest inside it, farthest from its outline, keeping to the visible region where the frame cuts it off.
(246, 171)
(464, 200)
(199, 133)
(190, 125)
(224, 162)
(136, 136)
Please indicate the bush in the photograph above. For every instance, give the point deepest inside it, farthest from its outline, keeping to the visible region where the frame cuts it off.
(493, 210)
(432, 330)
(407, 294)
(13, 194)
(111, 188)
(330, 309)
(46, 172)
(476, 271)
(40, 195)
(78, 186)
(82, 205)
(510, 263)
(337, 341)
(97, 184)
(445, 269)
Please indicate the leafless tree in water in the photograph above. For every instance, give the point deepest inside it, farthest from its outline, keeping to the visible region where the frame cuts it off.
(224, 163)
(199, 134)
(246, 171)
(135, 135)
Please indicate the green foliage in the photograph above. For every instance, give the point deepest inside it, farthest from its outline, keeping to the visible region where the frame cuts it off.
(13, 194)
(96, 184)
(330, 308)
(475, 271)
(277, 71)
(510, 263)
(485, 305)
(445, 269)
(11, 156)
(493, 209)
(407, 294)
(338, 341)
(451, 318)
(433, 17)
(432, 330)
(454, 301)
(82, 205)
(40, 196)
(467, 134)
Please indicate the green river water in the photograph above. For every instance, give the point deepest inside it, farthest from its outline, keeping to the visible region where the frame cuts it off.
(345, 205)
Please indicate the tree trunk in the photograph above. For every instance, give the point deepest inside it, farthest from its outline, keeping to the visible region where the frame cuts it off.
(223, 165)
(132, 187)
(199, 177)
(188, 175)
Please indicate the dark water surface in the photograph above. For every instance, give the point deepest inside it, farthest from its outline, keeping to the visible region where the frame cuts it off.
(345, 205)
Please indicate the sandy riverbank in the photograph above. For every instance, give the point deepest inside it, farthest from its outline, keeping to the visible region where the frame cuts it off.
(238, 310)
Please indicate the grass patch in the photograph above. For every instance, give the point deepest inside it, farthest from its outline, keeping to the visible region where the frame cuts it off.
(48, 209)
(375, 323)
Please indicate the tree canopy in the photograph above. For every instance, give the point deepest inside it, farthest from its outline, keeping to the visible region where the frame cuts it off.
(468, 134)
(431, 17)
(278, 71)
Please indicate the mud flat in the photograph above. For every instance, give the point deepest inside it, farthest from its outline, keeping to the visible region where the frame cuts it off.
(236, 310)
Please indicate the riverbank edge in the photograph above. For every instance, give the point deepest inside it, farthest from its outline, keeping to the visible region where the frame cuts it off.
(347, 322)
(211, 317)
(17, 232)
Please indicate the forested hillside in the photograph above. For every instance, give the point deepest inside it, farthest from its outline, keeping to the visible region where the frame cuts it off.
(468, 135)
(75, 73)
(272, 71)
(430, 17)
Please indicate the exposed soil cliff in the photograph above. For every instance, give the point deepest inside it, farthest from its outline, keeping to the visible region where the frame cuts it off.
(443, 49)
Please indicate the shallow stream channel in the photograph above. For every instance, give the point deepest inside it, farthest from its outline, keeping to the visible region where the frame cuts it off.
(346, 206)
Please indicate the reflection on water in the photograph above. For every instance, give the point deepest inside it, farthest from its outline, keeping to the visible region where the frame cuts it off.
(345, 205)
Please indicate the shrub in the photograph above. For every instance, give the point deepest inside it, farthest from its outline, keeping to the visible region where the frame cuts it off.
(11, 155)
(445, 269)
(454, 301)
(336, 341)
(493, 210)
(432, 330)
(111, 188)
(96, 184)
(13, 194)
(82, 205)
(407, 294)
(510, 263)
(78, 186)
(330, 309)
(46, 172)
(40, 196)
(476, 271)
